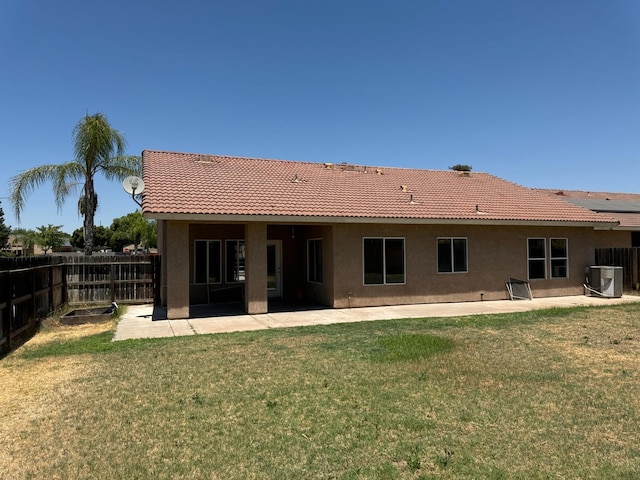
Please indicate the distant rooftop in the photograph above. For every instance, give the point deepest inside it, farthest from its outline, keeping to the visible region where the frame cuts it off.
(624, 207)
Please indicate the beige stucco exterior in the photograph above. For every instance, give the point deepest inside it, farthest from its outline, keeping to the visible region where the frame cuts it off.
(612, 239)
(495, 252)
(176, 236)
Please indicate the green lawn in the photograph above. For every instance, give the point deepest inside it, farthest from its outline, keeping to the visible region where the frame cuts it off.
(546, 394)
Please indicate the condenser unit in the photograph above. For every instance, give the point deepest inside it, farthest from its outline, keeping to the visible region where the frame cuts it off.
(605, 281)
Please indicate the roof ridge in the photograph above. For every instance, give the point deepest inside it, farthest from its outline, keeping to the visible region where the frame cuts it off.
(320, 163)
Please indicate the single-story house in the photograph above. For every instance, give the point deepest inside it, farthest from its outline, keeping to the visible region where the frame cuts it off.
(622, 207)
(344, 235)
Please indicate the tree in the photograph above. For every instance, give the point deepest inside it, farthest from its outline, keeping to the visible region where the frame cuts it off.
(50, 237)
(101, 237)
(98, 148)
(461, 168)
(25, 238)
(133, 228)
(5, 231)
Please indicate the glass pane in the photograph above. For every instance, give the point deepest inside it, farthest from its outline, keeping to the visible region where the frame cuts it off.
(459, 254)
(536, 248)
(394, 260)
(318, 263)
(444, 255)
(271, 267)
(214, 262)
(200, 261)
(314, 265)
(235, 261)
(536, 269)
(240, 271)
(558, 247)
(559, 268)
(373, 261)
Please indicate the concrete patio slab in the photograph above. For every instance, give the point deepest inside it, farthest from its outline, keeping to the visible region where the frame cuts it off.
(143, 321)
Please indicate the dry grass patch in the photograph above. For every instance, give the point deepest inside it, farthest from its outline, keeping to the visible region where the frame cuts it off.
(30, 391)
(504, 396)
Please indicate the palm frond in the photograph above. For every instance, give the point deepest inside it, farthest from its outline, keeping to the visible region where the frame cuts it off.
(96, 142)
(26, 182)
(121, 167)
(67, 181)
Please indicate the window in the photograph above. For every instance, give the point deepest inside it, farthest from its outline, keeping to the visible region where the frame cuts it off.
(207, 268)
(537, 258)
(235, 261)
(559, 257)
(314, 260)
(383, 261)
(452, 255)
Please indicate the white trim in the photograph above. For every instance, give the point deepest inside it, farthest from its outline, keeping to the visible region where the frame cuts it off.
(545, 259)
(552, 258)
(300, 219)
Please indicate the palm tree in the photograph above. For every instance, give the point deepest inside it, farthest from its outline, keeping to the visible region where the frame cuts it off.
(98, 148)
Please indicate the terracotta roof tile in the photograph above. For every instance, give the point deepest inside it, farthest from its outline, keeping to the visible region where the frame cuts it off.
(623, 207)
(188, 184)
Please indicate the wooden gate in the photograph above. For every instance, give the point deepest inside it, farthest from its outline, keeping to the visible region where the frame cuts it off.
(114, 278)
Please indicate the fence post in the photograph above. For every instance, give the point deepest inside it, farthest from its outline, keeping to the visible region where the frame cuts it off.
(113, 282)
(634, 267)
(34, 308)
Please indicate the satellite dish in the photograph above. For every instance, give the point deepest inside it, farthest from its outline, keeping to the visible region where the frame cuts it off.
(133, 185)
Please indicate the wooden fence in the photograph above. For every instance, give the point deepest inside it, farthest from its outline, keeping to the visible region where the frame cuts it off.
(116, 278)
(627, 258)
(32, 287)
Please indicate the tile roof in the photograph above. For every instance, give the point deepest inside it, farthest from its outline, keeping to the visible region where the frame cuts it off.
(186, 184)
(625, 197)
(623, 207)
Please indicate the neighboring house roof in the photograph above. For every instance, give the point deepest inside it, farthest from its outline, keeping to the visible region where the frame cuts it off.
(193, 186)
(624, 207)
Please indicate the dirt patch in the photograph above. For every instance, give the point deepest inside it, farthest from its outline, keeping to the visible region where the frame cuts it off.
(52, 330)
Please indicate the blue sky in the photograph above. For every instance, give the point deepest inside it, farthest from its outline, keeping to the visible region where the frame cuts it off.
(543, 93)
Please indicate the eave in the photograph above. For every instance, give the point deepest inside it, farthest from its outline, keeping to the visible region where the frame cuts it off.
(297, 219)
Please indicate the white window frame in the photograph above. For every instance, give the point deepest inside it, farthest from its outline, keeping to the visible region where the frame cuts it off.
(384, 261)
(544, 259)
(453, 263)
(565, 258)
(195, 261)
(315, 280)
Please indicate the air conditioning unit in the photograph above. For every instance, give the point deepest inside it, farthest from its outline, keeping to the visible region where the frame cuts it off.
(605, 281)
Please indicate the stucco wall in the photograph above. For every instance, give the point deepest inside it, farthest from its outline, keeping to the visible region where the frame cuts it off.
(321, 293)
(177, 269)
(612, 239)
(494, 254)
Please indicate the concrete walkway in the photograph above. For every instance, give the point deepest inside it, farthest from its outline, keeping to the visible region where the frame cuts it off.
(141, 321)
